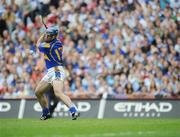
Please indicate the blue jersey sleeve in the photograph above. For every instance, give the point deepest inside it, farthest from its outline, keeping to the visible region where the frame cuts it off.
(59, 46)
(43, 47)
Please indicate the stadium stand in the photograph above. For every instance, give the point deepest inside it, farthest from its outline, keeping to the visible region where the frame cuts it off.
(138, 39)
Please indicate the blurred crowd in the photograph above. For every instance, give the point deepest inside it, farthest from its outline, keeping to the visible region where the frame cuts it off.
(126, 48)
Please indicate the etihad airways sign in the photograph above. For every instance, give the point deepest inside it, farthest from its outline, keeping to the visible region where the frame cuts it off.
(143, 106)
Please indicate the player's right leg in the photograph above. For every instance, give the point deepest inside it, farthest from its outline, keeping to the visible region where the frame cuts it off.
(58, 91)
(42, 87)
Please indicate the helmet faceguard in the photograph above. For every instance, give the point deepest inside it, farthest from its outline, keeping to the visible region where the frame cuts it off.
(51, 33)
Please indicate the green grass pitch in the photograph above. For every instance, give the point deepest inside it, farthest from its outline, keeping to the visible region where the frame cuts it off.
(90, 128)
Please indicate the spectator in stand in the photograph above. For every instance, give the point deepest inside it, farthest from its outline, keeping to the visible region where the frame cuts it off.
(139, 41)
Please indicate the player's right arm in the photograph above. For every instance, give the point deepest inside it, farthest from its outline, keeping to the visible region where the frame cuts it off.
(40, 40)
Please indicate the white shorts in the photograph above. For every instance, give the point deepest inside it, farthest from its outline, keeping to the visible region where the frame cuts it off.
(54, 73)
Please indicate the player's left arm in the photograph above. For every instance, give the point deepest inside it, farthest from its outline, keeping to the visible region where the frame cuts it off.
(60, 46)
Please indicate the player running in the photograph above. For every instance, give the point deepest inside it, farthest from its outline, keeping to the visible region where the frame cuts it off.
(53, 51)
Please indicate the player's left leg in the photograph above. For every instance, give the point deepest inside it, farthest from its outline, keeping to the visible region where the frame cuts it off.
(58, 86)
(42, 87)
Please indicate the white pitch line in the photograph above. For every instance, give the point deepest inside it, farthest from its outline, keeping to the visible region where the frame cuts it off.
(118, 134)
(111, 134)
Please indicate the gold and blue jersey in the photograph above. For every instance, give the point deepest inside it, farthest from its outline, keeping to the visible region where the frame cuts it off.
(52, 53)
